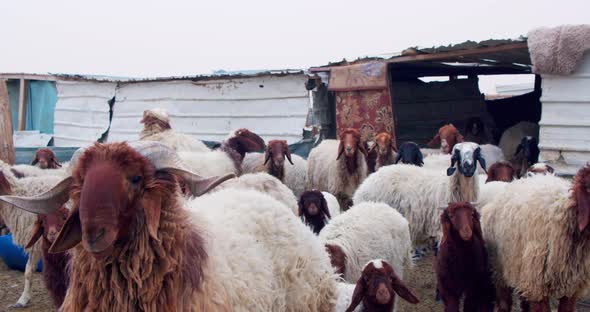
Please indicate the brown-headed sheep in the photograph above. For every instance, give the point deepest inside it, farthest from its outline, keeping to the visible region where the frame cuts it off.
(338, 167)
(501, 171)
(447, 136)
(462, 262)
(45, 159)
(385, 147)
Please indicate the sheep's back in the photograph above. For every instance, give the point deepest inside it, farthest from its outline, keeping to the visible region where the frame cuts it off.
(208, 164)
(369, 231)
(180, 142)
(529, 228)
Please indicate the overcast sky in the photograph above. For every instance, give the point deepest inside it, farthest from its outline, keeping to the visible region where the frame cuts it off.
(163, 38)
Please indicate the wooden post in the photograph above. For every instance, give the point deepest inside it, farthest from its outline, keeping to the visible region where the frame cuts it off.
(6, 145)
(22, 104)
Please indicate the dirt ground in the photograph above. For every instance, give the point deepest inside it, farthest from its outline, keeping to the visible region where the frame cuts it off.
(420, 279)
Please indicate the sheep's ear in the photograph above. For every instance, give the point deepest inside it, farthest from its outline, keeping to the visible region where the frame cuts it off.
(300, 204)
(583, 209)
(340, 150)
(394, 145)
(267, 155)
(491, 174)
(361, 147)
(420, 158)
(70, 234)
(398, 158)
(451, 171)
(477, 223)
(359, 293)
(518, 149)
(446, 224)
(36, 233)
(152, 205)
(403, 291)
(288, 152)
(434, 141)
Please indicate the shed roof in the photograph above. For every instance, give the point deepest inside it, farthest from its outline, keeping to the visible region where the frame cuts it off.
(504, 56)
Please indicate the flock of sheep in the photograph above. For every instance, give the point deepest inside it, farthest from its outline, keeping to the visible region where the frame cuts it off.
(167, 224)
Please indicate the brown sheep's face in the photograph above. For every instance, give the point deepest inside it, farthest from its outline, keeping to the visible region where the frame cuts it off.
(278, 150)
(384, 144)
(377, 287)
(43, 163)
(501, 172)
(350, 145)
(110, 184)
(447, 137)
(461, 217)
(337, 258)
(48, 226)
(45, 159)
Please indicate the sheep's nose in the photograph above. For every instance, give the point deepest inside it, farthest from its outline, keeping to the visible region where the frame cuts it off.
(94, 236)
(349, 148)
(383, 295)
(466, 233)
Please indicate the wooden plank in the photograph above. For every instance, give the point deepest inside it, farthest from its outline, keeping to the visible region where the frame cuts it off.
(22, 104)
(19, 76)
(6, 143)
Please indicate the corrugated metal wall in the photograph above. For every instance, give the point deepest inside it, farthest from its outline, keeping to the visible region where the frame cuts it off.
(272, 106)
(565, 120)
(82, 112)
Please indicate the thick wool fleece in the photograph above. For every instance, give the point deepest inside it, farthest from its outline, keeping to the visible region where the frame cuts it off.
(180, 142)
(295, 176)
(418, 193)
(264, 183)
(533, 240)
(370, 231)
(208, 164)
(333, 205)
(325, 173)
(262, 258)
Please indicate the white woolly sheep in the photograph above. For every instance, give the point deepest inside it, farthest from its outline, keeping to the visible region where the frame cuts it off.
(329, 171)
(539, 242)
(21, 222)
(156, 127)
(364, 232)
(264, 183)
(294, 174)
(418, 192)
(139, 245)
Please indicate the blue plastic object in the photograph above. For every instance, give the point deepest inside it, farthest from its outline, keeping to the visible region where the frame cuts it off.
(14, 256)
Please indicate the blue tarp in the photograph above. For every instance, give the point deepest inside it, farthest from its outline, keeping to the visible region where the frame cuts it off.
(41, 102)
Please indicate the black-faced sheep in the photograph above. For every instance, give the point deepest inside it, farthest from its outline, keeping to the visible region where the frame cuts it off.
(315, 211)
(538, 239)
(410, 154)
(418, 192)
(462, 262)
(338, 167)
(526, 155)
(138, 245)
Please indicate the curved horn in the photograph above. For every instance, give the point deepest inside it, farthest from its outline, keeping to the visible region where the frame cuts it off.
(44, 203)
(165, 159)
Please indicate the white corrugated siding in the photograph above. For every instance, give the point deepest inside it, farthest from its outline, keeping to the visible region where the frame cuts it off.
(271, 106)
(565, 121)
(81, 112)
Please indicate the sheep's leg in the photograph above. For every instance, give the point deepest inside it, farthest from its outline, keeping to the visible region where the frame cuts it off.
(540, 306)
(451, 302)
(503, 299)
(567, 304)
(524, 305)
(25, 297)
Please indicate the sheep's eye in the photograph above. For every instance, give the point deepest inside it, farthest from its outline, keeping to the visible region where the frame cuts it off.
(135, 179)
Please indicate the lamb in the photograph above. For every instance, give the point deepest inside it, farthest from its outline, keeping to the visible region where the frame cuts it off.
(418, 192)
(55, 273)
(156, 127)
(273, 163)
(512, 136)
(340, 176)
(367, 231)
(385, 147)
(317, 208)
(264, 183)
(526, 155)
(461, 264)
(137, 244)
(21, 223)
(540, 168)
(447, 137)
(501, 171)
(227, 158)
(538, 240)
(409, 153)
(376, 290)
